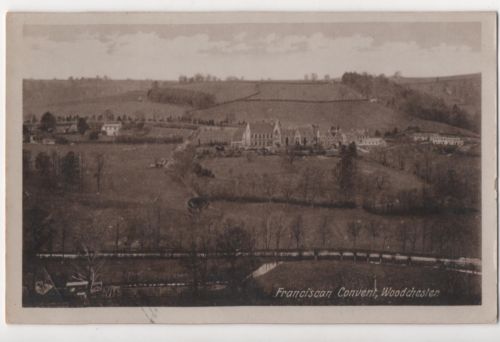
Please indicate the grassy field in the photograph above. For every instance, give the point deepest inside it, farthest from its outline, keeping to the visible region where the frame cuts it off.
(454, 287)
(228, 168)
(162, 132)
(305, 91)
(42, 92)
(127, 175)
(223, 91)
(131, 194)
(117, 105)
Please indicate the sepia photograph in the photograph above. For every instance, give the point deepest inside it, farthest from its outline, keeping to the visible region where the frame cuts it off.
(309, 162)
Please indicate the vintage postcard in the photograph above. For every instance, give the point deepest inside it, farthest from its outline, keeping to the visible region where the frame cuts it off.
(251, 167)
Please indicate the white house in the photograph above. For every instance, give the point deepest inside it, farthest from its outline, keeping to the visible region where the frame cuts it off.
(112, 129)
(423, 136)
(447, 140)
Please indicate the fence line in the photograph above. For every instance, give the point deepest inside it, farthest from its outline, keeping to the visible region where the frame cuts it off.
(473, 264)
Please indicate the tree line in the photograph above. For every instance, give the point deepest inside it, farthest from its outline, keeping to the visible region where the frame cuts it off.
(65, 172)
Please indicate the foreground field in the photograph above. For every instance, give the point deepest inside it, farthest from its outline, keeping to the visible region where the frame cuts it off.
(336, 282)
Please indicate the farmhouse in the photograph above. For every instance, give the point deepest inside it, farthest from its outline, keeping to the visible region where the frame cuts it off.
(447, 140)
(112, 129)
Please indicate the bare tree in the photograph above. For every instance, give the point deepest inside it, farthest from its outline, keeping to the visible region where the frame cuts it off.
(276, 225)
(88, 242)
(117, 236)
(331, 185)
(63, 240)
(290, 156)
(317, 188)
(306, 182)
(403, 235)
(269, 185)
(231, 241)
(297, 230)
(373, 229)
(401, 160)
(286, 188)
(324, 230)
(265, 233)
(99, 160)
(353, 230)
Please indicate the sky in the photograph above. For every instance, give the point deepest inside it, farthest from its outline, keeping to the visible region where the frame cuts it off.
(252, 51)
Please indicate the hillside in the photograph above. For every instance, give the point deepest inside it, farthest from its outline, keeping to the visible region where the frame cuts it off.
(425, 105)
(80, 96)
(302, 91)
(462, 90)
(294, 103)
(347, 115)
(55, 91)
(223, 91)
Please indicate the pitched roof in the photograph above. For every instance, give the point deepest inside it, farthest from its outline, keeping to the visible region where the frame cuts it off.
(238, 134)
(261, 127)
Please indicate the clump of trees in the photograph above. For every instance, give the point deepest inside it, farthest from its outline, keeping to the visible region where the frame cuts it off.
(198, 77)
(48, 122)
(62, 172)
(179, 96)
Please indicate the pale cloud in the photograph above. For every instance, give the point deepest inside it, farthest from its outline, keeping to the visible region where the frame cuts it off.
(240, 36)
(148, 55)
